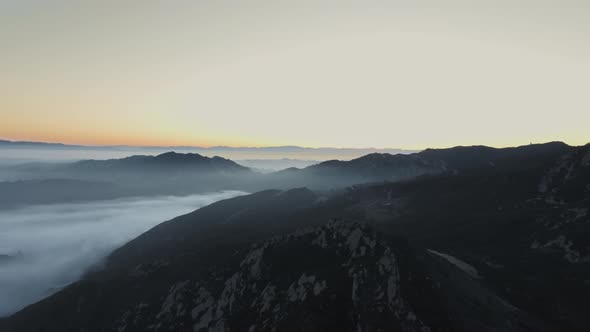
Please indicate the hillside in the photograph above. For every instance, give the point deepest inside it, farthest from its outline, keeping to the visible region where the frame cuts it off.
(489, 249)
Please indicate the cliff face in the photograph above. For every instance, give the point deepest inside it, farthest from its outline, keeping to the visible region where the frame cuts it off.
(349, 280)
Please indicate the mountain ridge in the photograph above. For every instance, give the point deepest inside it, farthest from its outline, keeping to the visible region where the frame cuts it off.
(165, 160)
(274, 258)
(185, 147)
(180, 174)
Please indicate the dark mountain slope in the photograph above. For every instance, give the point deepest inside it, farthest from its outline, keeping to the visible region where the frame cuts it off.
(336, 277)
(258, 214)
(164, 162)
(277, 266)
(166, 174)
(378, 167)
(453, 159)
(527, 231)
(490, 248)
(480, 157)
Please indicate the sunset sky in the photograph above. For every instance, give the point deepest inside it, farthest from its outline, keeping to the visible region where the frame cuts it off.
(403, 74)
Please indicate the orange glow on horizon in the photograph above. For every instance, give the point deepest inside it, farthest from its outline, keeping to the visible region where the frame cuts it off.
(114, 140)
(139, 141)
(208, 74)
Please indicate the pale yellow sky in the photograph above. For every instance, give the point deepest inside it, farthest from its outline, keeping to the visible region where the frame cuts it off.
(407, 74)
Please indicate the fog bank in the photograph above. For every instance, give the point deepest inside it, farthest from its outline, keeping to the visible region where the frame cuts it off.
(43, 248)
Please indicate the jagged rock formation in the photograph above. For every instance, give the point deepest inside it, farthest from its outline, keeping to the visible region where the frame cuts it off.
(350, 281)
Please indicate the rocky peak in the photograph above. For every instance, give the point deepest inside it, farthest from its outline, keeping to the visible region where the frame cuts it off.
(347, 268)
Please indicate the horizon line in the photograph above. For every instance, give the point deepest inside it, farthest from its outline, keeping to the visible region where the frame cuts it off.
(212, 147)
(196, 146)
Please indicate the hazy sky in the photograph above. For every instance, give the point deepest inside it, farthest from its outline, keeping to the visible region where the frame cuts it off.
(408, 74)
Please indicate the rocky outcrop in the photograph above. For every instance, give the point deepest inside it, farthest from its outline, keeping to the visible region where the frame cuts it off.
(348, 269)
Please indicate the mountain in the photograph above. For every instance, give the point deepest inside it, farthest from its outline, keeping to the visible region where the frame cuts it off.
(27, 144)
(272, 165)
(166, 162)
(174, 173)
(378, 167)
(476, 157)
(500, 246)
(58, 151)
(452, 159)
(165, 174)
(256, 263)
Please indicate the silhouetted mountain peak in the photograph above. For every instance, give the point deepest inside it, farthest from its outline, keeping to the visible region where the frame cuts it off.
(181, 158)
(475, 157)
(168, 160)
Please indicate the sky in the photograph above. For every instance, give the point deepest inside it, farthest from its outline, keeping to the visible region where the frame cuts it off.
(398, 74)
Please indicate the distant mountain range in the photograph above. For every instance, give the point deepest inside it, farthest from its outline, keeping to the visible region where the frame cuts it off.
(169, 161)
(174, 173)
(469, 239)
(377, 167)
(270, 165)
(286, 148)
(235, 153)
(165, 174)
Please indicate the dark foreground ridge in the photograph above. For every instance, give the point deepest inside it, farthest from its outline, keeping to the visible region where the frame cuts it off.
(500, 246)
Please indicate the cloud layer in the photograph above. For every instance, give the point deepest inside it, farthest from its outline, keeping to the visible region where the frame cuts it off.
(53, 245)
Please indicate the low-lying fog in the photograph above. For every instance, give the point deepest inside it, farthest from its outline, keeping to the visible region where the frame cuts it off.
(43, 248)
